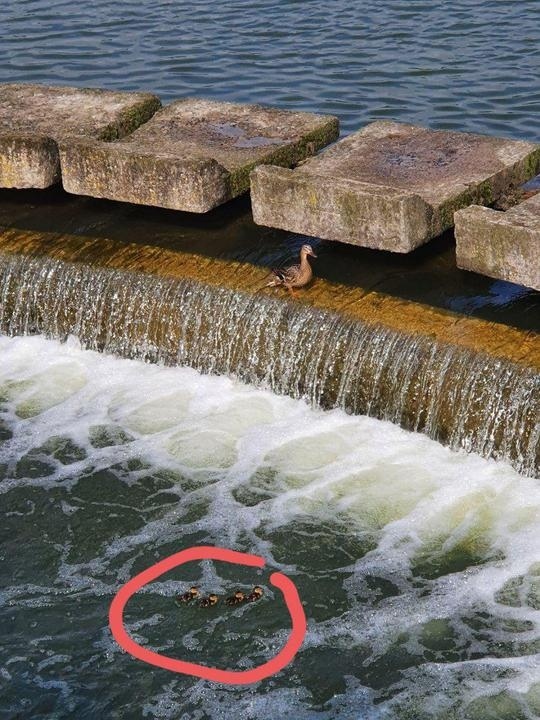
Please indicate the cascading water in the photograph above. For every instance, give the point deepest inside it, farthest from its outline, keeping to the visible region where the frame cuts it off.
(463, 399)
(418, 567)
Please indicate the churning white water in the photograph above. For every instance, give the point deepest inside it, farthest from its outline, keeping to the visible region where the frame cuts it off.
(419, 567)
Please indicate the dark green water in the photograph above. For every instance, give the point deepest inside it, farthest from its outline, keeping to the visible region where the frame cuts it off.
(418, 567)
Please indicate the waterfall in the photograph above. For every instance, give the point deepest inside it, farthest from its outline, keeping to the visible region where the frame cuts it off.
(459, 397)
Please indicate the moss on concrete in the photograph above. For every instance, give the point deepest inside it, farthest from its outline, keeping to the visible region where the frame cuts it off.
(33, 118)
(287, 156)
(500, 244)
(408, 166)
(213, 146)
(130, 119)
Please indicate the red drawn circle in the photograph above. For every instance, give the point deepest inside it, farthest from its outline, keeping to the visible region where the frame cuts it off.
(230, 677)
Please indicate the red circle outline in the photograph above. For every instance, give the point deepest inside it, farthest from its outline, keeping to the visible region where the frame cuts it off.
(230, 677)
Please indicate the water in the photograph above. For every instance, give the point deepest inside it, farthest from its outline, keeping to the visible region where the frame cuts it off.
(463, 398)
(467, 65)
(418, 566)
(460, 64)
(428, 275)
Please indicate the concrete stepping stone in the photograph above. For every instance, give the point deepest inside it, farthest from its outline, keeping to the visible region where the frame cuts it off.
(503, 245)
(390, 186)
(34, 118)
(194, 154)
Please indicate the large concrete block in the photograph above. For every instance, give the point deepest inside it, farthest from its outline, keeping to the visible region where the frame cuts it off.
(34, 118)
(503, 245)
(390, 186)
(194, 154)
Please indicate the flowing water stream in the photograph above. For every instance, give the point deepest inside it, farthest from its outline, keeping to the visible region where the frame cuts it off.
(418, 566)
(459, 397)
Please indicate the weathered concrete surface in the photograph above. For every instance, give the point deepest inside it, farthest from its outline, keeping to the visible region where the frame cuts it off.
(33, 118)
(194, 154)
(390, 186)
(503, 245)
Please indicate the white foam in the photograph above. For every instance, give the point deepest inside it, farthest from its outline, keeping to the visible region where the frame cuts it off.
(414, 500)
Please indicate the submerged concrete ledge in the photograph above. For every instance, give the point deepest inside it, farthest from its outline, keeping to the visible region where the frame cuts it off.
(390, 186)
(34, 118)
(355, 303)
(194, 154)
(503, 245)
(468, 383)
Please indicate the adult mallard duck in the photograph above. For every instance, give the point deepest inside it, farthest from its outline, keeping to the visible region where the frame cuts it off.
(294, 276)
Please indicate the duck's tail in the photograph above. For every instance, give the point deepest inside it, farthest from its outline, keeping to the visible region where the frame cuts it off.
(273, 280)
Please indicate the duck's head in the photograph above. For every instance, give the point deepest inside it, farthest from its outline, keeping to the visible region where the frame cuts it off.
(193, 591)
(239, 595)
(213, 598)
(307, 250)
(258, 591)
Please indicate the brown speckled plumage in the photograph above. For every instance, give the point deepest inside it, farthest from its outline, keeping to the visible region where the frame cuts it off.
(294, 276)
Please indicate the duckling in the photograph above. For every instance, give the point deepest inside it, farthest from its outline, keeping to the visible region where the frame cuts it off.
(209, 601)
(255, 594)
(294, 276)
(236, 599)
(188, 596)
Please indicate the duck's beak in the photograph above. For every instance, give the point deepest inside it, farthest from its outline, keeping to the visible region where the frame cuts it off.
(312, 254)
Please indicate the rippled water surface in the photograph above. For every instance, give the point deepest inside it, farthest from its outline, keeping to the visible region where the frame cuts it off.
(463, 64)
(418, 567)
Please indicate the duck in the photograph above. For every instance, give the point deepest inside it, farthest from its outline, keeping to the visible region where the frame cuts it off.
(294, 276)
(255, 594)
(236, 599)
(209, 601)
(188, 596)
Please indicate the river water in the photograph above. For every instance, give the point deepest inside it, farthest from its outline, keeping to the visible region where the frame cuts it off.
(418, 566)
(463, 64)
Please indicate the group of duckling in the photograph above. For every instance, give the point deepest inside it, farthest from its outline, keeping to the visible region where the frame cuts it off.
(237, 598)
